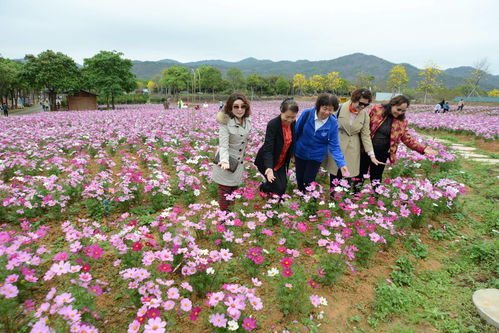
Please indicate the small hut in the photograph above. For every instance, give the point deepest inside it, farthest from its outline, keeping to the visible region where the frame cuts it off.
(82, 100)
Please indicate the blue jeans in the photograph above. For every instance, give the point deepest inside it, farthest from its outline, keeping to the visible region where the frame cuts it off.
(306, 171)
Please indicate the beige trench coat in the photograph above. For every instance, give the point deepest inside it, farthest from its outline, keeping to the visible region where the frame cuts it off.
(232, 140)
(351, 138)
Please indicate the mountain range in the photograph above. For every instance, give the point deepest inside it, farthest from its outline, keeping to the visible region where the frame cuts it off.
(348, 66)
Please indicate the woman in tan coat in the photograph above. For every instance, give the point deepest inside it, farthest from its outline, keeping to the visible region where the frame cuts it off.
(354, 133)
(235, 126)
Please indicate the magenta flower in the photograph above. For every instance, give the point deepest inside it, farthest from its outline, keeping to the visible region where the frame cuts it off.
(249, 324)
(287, 262)
(287, 272)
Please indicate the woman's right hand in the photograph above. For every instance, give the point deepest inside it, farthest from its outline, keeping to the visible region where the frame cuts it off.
(269, 173)
(224, 166)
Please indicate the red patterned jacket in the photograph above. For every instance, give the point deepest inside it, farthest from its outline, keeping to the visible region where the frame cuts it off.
(399, 132)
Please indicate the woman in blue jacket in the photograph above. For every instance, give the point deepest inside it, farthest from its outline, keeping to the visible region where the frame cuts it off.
(316, 133)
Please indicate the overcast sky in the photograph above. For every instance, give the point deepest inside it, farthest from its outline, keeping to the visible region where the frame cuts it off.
(443, 32)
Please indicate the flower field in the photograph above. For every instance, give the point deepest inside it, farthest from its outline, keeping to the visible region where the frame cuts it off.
(110, 223)
(479, 121)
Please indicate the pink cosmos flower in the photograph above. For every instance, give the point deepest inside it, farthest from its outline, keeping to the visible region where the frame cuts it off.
(133, 327)
(60, 256)
(315, 300)
(287, 262)
(155, 325)
(287, 272)
(186, 304)
(218, 320)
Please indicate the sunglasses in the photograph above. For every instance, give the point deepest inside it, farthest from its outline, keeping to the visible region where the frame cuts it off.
(401, 110)
(364, 105)
(244, 107)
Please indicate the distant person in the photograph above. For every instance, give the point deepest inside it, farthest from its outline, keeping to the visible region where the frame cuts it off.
(220, 105)
(5, 110)
(180, 103)
(437, 108)
(166, 104)
(460, 105)
(445, 107)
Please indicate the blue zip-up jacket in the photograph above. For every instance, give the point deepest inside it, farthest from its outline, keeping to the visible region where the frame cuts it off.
(313, 145)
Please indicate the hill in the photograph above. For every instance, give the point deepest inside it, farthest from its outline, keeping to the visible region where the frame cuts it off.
(348, 66)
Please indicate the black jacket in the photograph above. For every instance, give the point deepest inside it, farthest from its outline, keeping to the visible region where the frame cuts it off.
(269, 153)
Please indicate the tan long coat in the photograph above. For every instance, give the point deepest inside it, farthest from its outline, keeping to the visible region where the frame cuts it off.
(351, 138)
(232, 140)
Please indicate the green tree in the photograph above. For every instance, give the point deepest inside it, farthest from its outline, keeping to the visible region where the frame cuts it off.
(176, 78)
(55, 72)
(10, 80)
(429, 80)
(255, 82)
(109, 74)
(282, 85)
(397, 79)
(236, 78)
(299, 82)
(211, 78)
(364, 80)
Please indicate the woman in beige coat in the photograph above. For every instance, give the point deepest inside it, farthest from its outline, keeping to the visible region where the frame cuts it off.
(354, 133)
(235, 126)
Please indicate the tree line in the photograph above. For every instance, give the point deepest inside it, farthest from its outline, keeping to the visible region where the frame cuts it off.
(109, 75)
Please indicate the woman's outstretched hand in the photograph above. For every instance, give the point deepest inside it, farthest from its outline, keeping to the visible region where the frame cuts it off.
(269, 173)
(430, 151)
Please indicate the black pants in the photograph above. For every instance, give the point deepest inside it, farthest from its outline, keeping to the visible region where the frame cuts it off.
(375, 171)
(306, 171)
(6, 113)
(278, 186)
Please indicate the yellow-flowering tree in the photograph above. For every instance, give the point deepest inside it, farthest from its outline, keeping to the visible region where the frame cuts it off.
(429, 80)
(316, 83)
(397, 79)
(299, 82)
(151, 85)
(493, 93)
(332, 81)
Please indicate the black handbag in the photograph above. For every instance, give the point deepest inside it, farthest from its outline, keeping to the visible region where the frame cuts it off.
(232, 162)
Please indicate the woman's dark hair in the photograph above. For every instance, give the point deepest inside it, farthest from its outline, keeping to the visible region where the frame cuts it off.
(395, 101)
(230, 102)
(327, 100)
(357, 94)
(289, 104)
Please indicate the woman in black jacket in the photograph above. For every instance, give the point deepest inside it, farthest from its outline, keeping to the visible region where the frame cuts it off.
(272, 160)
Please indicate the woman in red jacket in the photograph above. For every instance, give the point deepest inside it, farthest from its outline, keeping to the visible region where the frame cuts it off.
(389, 127)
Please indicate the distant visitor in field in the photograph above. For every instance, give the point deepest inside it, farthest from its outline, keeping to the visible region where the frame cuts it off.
(316, 132)
(437, 108)
(272, 160)
(354, 133)
(445, 107)
(5, 110)
(388, 128)
(460, 105)
(234, 128)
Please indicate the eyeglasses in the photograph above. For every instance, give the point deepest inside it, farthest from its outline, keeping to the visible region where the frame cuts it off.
(364, 105)
(235, 106)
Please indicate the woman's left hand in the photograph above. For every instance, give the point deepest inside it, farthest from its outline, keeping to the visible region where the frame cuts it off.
(344, 171)
(375, 161)
(430, 151)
